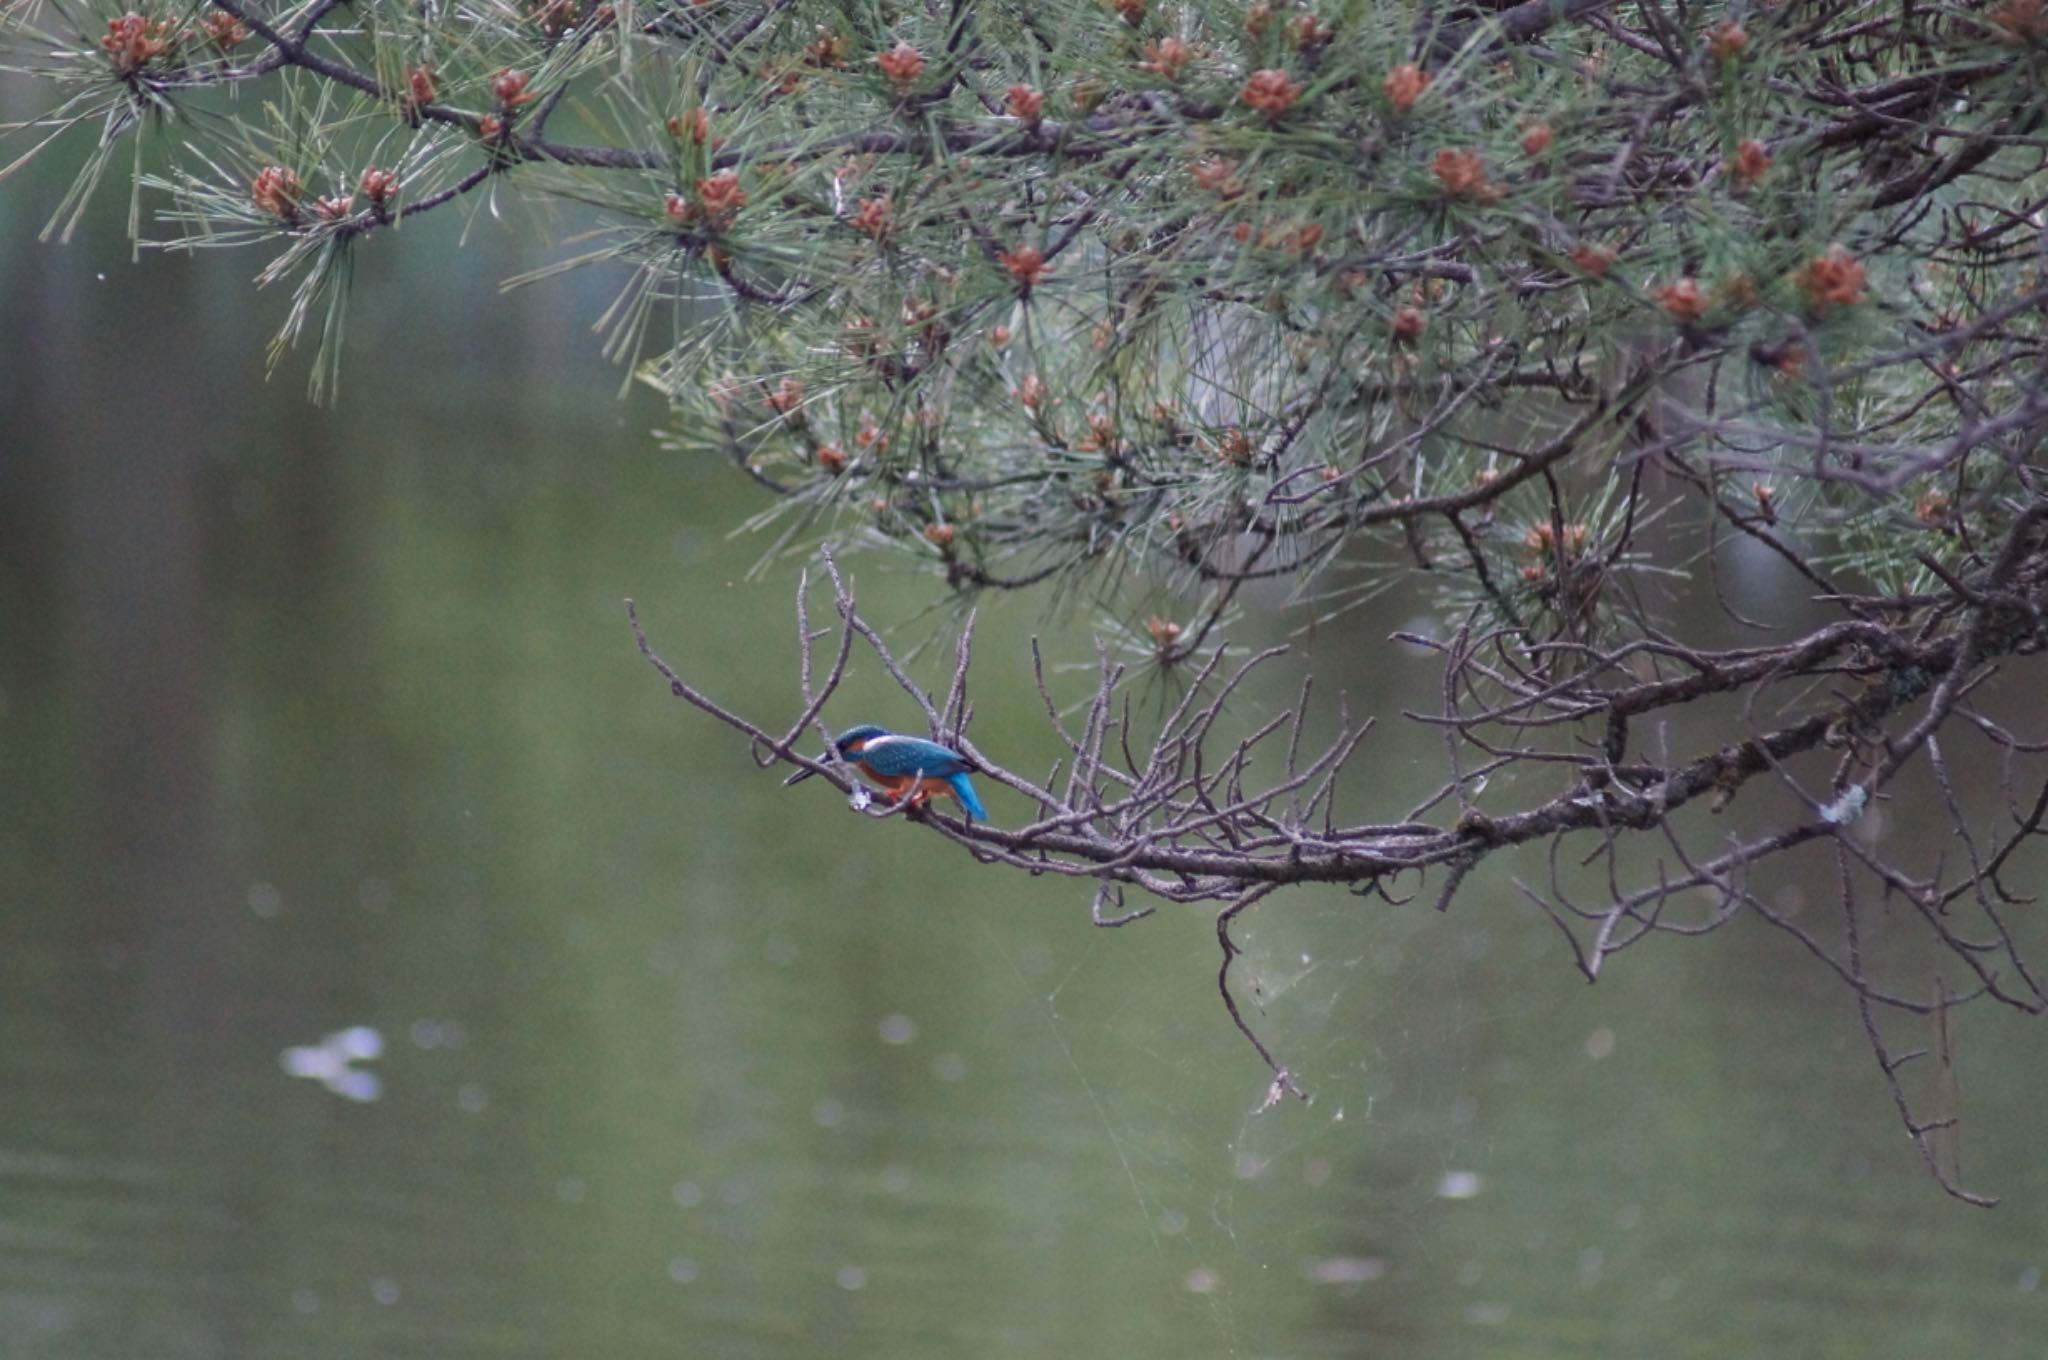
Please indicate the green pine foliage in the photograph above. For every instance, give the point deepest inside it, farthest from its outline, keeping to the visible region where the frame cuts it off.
(1223, 292)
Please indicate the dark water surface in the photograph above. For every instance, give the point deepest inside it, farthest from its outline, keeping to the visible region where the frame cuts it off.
(311, 720)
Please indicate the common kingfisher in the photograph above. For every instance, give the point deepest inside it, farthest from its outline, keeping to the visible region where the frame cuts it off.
(905, 767)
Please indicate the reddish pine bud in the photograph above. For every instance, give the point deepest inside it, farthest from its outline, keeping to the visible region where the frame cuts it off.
(510, 88)
(1594, 259)
(1216, 175)
(872, 216)
(902, 64)
(378, 185)
(1834, 279)
(1101, 436)
(830, 50)
(224, 30)
(696, 125)
(1026, 103)
(1234, 447)
(1459, 172)
(1683, 299)
(1271, 92)
(1026, 264)
(421, 86)
(132, 42)
(720, 197)
(276, 191)
(1727, 41)
(1167, 58)
(1749, 163)
(1404, 85)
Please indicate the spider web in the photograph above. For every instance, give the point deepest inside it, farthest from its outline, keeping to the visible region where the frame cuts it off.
(1251, 1210)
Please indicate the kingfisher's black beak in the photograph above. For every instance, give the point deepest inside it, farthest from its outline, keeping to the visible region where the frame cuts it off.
(805, 774)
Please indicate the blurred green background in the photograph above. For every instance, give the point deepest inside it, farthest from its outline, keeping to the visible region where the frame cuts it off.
(313, 719)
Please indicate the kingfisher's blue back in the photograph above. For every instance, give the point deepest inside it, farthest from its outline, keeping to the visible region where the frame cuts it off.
(893, 757)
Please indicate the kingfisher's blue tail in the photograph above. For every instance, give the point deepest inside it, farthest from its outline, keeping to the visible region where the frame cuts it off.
(965, 791)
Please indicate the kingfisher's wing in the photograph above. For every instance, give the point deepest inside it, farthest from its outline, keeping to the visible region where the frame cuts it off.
(899, 757)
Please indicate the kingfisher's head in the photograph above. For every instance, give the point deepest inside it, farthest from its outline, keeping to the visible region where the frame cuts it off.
(853, 740)
(845, 746)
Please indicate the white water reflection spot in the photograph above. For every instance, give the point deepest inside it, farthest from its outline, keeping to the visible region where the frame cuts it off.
(331, 1062)
(1346, 1271)
(682, 1269)
(1201, 1280)
(897, 1029)
(384, 1290)
(1459, 1185)
(852, 1277)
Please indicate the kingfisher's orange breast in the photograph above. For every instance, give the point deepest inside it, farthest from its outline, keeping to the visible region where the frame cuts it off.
(899, 786)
